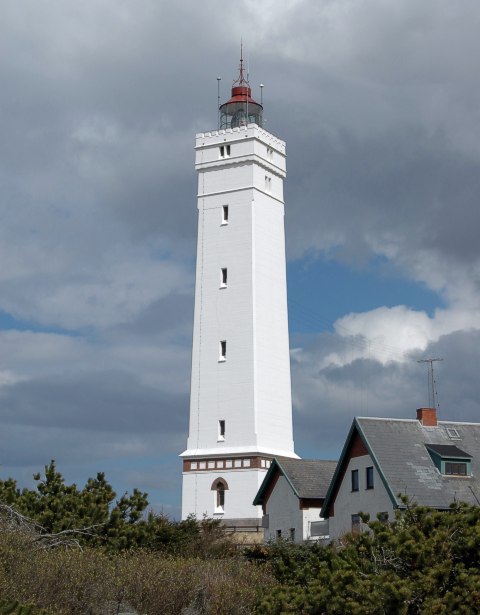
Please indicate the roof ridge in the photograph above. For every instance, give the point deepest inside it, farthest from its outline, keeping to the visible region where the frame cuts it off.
(458, 423)
(383, 418)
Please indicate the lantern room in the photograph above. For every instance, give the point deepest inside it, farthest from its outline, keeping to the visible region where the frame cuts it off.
(241, 109)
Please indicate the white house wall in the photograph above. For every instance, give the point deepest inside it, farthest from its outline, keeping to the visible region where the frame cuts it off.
(283, 512)
(348, 502)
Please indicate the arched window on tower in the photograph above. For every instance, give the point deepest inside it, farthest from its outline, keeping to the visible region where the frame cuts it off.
(219, 487)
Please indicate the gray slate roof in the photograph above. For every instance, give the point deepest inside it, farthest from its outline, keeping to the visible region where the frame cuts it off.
(448, 450)
(399, 452)
(310, 478)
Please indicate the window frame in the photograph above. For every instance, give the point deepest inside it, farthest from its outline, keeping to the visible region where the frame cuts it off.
(369, 478)
(219, 486)
(356, 524)
(225, 213)
(354, 481)
(452, 465)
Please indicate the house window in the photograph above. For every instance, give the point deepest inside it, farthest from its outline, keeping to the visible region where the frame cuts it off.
(356, 524)
(292, 534)
(354, 480)
(456, 468)
(219, 487)
(223, 350)
(453, 433)
(223, 277)
(450, 460)
(369, 477)
(224, 214)
(221, 430)
(279, 533)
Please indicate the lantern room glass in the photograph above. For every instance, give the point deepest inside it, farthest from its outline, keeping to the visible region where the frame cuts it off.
(241, 113)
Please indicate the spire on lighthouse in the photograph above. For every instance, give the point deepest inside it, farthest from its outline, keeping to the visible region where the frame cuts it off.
(241, 109)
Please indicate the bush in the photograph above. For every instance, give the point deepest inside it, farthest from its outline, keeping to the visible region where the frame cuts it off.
(94, 582)
(426, 562)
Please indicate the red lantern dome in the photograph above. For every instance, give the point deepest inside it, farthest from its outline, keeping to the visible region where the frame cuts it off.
(241, 109)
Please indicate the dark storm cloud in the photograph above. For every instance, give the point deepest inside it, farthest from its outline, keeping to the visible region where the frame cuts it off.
(328, 396)
(100, 401)
(173, 313)
(410, 185)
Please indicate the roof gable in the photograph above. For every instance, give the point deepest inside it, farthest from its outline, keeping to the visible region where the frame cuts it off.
(356, 445)
(308, 478)
(401, 451)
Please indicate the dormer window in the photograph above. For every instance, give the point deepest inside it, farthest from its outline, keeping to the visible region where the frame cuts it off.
(458, 468)
(450, 460)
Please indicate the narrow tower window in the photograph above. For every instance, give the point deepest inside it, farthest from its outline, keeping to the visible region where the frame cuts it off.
(220, 498)
(225, 214)
(268, 183)
(221, 430)
(219, 487)
(223, 350)
(223, 277)
(224, 151)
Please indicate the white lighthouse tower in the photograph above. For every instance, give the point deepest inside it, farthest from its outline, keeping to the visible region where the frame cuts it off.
(240, 404)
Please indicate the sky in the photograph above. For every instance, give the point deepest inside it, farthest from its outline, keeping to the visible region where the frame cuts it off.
(379, 104)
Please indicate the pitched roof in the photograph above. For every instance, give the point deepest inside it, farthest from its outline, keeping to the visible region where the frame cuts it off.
(309, 478)
(398, 448)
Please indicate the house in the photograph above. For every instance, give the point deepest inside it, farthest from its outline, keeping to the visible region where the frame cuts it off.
(432, 463)
(291, 496)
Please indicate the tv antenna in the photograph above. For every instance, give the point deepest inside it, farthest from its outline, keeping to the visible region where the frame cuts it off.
(431, 383)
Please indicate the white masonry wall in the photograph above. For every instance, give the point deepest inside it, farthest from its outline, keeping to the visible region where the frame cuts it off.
(348, 502)
(199, 499)
(251, 389)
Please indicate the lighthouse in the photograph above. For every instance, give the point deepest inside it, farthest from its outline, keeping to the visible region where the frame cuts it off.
(240, 397)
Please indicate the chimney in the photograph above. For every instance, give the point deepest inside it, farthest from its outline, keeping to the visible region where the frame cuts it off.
(427, 416)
